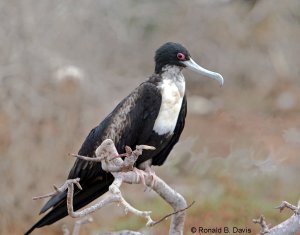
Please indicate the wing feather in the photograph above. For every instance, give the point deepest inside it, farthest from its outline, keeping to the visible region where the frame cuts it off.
(132, 120)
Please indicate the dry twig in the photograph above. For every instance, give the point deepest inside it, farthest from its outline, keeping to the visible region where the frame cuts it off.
(77, 225)
(173, 213)
(287, 227)
(285, 204)
(264, 227)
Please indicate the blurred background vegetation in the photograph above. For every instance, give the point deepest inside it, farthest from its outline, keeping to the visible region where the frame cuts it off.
(65, 64)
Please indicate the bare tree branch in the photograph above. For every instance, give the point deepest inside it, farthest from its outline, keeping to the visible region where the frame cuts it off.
(124, 171)
(65, 230)
(264, 227)
(77, 225)
(59, 189)
(287, 227)
(285, 204)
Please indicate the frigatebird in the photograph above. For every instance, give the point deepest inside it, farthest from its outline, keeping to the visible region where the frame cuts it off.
(152, 114)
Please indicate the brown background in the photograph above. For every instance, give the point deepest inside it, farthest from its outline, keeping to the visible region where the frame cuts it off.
(239, 153)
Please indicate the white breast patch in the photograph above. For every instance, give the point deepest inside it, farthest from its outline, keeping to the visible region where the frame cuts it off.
(172, 90)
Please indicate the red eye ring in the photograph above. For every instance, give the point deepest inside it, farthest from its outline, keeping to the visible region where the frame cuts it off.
(180, 56)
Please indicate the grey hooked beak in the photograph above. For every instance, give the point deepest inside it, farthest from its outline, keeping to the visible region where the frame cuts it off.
(192, 65)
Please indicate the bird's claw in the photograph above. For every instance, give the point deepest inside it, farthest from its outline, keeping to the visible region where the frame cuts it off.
(140, 175)
(152, 174)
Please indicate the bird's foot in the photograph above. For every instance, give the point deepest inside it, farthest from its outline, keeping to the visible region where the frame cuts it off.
(151, 172)
(140, 175)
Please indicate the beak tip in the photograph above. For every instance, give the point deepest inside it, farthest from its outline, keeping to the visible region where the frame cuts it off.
(192, 65)
(220, 79)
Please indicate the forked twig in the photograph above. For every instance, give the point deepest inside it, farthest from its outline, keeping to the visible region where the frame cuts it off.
(262, 222)
(288, 227)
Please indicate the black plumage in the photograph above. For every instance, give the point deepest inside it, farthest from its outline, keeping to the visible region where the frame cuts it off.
(131, 123)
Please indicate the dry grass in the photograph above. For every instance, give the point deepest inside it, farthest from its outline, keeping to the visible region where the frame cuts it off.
(238, 156)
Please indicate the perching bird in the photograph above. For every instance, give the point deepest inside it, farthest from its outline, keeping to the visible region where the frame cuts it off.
(152, 114)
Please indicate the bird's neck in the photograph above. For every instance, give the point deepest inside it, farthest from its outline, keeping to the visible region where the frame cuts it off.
(173, 74)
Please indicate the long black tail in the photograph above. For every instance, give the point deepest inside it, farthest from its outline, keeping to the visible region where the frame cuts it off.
(82, 198)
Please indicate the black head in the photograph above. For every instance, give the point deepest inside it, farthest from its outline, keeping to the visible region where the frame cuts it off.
(170, 53)
(174, 54)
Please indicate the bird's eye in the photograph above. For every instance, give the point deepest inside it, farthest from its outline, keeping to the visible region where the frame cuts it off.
(180, 56)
